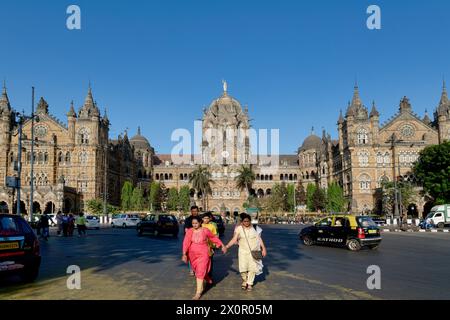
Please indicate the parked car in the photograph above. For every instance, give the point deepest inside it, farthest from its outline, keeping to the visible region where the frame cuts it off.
(353, 232)
(158, 223)
(19, 248)
(92, 222)
(125, 220)
(220, 224)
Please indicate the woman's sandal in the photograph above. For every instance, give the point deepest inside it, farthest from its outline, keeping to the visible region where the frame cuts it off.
(197, 297)
(244, 286)
(249, 288)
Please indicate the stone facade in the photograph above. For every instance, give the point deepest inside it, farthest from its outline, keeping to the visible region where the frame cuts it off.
(72, 163)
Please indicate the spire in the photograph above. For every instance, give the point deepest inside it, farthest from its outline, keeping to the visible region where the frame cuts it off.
(71, 112)
(426, 118)
(444, 97)
(105, 117)
(356, 101)
(405, 106)
(341, 117)
(42, 107)
(312, 131)
(374, 112)
(89, 108)
(4, 100)
(139, 130)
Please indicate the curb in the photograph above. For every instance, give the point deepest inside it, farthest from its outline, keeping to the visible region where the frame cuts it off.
(421, 230)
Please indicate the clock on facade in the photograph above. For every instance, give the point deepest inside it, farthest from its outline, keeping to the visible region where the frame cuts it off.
(40, 131)
(407, 131)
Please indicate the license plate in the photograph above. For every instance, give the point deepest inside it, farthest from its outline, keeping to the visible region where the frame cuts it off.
(373, 231)
(9, 246)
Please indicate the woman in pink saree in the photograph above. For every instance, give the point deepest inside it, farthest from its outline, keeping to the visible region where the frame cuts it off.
(196, 251)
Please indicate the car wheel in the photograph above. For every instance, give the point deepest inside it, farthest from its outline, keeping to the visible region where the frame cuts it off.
(353, 245)
(112, 225)
(307, 241)
(124, 226)
(30, 274)
(441, 225)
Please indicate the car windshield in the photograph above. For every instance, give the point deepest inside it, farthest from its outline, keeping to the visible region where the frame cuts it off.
(366, 222)
(9, 226)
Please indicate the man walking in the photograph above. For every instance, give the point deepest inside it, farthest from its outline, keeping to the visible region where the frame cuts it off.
(81, 224)
(45, 225)
(59, 223)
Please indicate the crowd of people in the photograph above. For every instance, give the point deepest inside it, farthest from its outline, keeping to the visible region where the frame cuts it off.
(65, 223)
(201, 240)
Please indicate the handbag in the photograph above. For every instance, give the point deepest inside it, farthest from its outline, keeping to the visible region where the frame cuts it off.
(256, 254)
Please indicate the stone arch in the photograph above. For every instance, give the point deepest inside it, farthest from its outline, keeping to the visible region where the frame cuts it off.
(157, 176)
(413, 210)
(215, 209)
(68, 205)
(50, 207)
(4, 207)
(23, 207)
(268, 192)
(260, 193)
(37, 208)
(427, 208)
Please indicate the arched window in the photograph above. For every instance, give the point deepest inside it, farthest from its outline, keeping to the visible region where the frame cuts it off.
(380, 159)
(83, 136)
(46, 157)
(83, 157)
(60, 157)
(68, 157)
(363, 157)
(362, 136)
(364, 182)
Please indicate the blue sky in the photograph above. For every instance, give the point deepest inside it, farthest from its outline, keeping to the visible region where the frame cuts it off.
(158, 63)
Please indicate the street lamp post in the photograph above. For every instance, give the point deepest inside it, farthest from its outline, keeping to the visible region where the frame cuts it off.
(32, 155)
(19, 164)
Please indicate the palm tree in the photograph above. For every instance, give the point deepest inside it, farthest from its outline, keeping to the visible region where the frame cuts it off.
(201, 181)
(245, 179)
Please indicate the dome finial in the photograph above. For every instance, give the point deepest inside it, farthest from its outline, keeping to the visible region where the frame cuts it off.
(139, 130)
(225, 86)
(312, 130)
(4, 86)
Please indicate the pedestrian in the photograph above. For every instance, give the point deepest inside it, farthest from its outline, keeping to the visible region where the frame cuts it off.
(251, 251)
(187, 226)
(211, 226)
(59, 221)
(45, 225)
(65, 224)
(71, 225)
(81, 224)
(196, 251)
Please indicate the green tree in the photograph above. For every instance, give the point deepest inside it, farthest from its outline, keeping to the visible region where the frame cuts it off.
(126, 196)
(184, 198)
(173, 199)
(310, 190)
(336, 201)
(319, 199)
(245, 178)
(433, 171)
(201, 181)
(405, 189)
(290, 197)
(300, 194)
(154, 198)
(137, 199)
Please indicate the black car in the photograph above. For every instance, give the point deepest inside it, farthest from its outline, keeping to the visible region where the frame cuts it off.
(19, 248)
(220, 224)
(158, 223)
(353, 232)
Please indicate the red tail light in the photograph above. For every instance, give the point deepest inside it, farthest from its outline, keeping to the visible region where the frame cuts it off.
(361, 234)
(36, 248)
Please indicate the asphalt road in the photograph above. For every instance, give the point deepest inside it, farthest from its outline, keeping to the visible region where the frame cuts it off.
(116, 264)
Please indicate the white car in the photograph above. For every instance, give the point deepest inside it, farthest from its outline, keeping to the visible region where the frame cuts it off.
(125, 220)
(92, 222)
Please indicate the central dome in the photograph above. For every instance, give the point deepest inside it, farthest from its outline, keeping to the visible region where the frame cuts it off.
(312, 142)
(139, 141)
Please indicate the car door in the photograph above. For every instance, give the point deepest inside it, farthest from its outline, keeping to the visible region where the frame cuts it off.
(323, 230)
(339, 231)
(150, 223)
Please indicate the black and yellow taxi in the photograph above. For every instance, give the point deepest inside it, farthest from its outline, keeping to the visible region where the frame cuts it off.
(353, 232)
(19, 248)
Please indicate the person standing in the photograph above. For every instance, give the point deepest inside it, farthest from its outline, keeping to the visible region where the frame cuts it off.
(65, 224)
(59, 223)
(249, 239)
(187, 226)
(196, 251)
(211, 226)
(71, 226)
(81, 224)
(45, 226)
